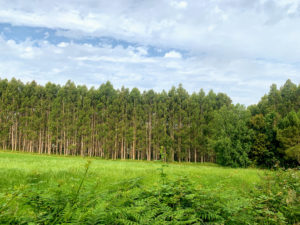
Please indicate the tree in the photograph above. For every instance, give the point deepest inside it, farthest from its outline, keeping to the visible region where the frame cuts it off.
(289, 135)
(119, 123)
(262, 153)
(232, 137)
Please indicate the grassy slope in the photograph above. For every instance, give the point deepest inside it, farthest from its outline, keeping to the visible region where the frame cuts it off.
(16, 167)
(41, 189)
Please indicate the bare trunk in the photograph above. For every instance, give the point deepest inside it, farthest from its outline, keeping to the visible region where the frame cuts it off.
(134, 141)
(40, 142)
(12, 137)
(114, 156)
(122, 148)
(149, 138)
(82, 147)
(172, 149)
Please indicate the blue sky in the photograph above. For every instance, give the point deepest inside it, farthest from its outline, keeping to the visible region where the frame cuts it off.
(238, 47)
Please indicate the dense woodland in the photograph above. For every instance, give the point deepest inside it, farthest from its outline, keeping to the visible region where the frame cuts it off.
(129, 124)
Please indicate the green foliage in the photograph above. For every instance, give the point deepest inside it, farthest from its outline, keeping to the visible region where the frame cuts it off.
(232, 137)
(175, 202)
(106, 122)
(294, 153)
(128, 124)
(77, 197)
(277, 200)
(262, 151)
(289, 135)
(275, 123)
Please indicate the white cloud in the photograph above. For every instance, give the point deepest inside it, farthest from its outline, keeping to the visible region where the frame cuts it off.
(126, 66)
(173, 54)
(179, 5)
(251, 28)
(142, 51)
(63, 44)
(236, 46)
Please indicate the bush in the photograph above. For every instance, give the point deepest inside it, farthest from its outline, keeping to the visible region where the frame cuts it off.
(277, 199)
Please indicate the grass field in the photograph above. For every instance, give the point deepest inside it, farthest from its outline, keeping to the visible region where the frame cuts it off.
(15, 167)
(41, 189)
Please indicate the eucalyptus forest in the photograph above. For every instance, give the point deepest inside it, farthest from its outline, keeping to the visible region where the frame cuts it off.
(76, 155)
(130, 124)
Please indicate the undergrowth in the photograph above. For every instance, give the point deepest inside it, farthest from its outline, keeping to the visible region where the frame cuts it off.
(172, 201)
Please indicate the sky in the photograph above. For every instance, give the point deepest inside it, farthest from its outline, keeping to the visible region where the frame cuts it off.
(238, 47)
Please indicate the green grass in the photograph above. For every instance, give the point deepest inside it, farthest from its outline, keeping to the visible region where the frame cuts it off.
(42, 189)
(15, 167)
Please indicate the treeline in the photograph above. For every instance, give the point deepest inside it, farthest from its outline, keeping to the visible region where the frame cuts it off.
(275, 123)
(129, 124)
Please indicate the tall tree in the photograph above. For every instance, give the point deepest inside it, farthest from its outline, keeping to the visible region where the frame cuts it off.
(232, 137)
(123, 123)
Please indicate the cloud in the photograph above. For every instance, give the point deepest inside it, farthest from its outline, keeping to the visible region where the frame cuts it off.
(63, 44)
(93, 65)
(179, 5)
(250, 28)
(239, 47)
(173, 54)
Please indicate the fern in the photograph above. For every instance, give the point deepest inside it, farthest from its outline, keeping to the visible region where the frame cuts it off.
(178, 201)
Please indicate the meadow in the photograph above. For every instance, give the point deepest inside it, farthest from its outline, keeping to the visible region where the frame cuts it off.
(42, 189)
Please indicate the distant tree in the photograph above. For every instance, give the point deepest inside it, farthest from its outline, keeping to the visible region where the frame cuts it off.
(289, 135)
(121, 123)
(231, 136)
(261, 152)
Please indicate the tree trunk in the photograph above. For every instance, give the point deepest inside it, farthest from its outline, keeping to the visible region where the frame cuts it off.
(149, 137)
(134, 140)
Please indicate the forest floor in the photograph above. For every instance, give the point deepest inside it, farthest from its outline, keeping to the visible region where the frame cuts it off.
(42, 189)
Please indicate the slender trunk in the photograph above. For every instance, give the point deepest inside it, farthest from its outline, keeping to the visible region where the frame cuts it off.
(40, 142)
(19, 140)
(82, 147)
(149, 137)
(114, 156)
(65, 147)
(179, 141)
(12, 137)
(125, 150)
(173, 140)
(56, 146)
(134, 140)
(122, 148)
(49, 143)
(61, 143)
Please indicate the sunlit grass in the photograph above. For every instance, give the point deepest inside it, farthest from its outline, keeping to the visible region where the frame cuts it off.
(15, 167)
(43, 189)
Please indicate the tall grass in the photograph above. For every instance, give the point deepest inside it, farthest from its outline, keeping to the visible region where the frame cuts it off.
(16, 166)
(43, 189)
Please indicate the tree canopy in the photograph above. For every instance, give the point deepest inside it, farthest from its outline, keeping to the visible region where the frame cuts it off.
(130, 124)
